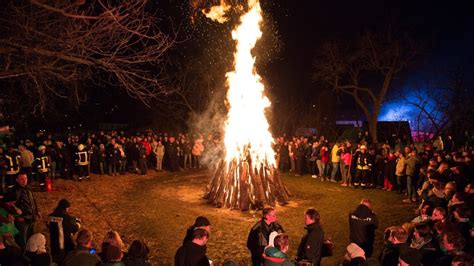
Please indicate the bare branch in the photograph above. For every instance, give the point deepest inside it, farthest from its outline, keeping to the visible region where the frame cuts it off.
(56, 44)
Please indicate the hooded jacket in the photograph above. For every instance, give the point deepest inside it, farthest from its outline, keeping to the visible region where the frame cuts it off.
(362, 225)
(275, 257)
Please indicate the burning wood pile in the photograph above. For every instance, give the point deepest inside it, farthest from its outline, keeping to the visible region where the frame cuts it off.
(240, 185)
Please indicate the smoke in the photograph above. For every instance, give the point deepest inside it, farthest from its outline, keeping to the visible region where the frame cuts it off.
(210, 124)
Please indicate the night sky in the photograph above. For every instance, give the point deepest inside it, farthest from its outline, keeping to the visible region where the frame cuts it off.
(445, 31)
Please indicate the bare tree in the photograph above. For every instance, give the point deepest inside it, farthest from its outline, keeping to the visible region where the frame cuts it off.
(365, 69)
(439, 106)
(49, 48)
(429, 107)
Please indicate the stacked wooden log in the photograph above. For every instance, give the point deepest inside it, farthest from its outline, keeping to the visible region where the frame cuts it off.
(241, 185)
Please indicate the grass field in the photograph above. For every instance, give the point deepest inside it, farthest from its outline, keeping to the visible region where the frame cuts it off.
(159, 207)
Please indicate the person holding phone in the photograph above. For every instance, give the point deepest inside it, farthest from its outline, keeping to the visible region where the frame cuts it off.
(84, 254)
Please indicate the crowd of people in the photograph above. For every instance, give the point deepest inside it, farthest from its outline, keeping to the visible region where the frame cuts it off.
(70, 245)
(437, 176)
(46, 156)
(432, 238)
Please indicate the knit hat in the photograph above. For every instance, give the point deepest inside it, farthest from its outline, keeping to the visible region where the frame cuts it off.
(410, 255)
(64, 204)
(354, 251)
(201, 221)
(36, 244)
(271, 238)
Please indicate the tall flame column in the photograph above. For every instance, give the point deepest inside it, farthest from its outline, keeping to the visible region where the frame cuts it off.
(247, 177)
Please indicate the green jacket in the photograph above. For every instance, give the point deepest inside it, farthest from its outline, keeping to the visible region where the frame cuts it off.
(7, 227)
(274, 257)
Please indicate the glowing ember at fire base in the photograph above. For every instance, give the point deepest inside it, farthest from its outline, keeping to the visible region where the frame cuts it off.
(242, 186)
(246, 178)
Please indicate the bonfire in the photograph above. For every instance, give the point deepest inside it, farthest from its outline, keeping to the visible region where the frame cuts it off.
(247, 177)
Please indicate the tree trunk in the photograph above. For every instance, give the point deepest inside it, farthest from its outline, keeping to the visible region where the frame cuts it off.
(373, 128)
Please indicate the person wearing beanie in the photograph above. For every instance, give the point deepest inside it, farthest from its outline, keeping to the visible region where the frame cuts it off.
(36, 250)
(70, 224)
(354, 256)
(200, 222)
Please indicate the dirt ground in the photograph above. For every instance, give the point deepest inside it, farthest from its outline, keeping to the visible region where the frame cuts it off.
(158, 208)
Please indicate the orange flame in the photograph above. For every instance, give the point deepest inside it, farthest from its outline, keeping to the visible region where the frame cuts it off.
(246, 128)
(218, 13)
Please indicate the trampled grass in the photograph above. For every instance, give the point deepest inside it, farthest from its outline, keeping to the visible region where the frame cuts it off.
(159, 207)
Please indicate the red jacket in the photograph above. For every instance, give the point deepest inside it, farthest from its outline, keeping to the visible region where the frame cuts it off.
(324, 155)
(147, 146)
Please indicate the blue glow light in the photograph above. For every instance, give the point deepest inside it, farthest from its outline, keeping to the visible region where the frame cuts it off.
(405, 109)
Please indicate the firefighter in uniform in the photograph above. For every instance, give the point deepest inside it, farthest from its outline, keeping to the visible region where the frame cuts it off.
(82, 162)
(12, 164)
(42, 166)
(363, 168)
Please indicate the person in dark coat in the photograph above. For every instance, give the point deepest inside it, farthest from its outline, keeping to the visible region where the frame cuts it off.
(409, 257)
(395, 238)
(12, 165)
(362, 225)
(284, 157)
(81, 255)
(424, 241)
(113, 155)
(300, 153)
(36, 251)
(25, 201)
(200, 222)
(172, 151)
(137, 254)
(11, 255)
(258, 237)
(142, 159)
(363, 168)
(310, 248)
(193, 253)
(132, 149)
(70, 223)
